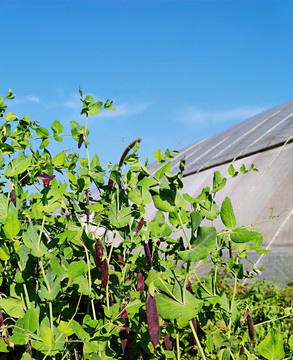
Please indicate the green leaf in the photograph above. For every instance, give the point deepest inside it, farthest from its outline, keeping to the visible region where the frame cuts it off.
(169, 308)
(4, 253)
(164, 199)
(146, 182)
(76, 268)
(139, 196)
(79, 331)
(12, 225)
(243, 169)
(19, 164)
(10, 117)
(6, 149)
(226, 355)
(57, 137)
(227, 214)
(57, 127)
(158, 155)
(18, 339)
(65, 328)
(3, 346)
(75, 130)
(31, 240)
(59, 159)
(290, 342)
(119, 218)
(48, 337)
(195, 219)
(231, 170)
(44, 143)
(56, 267)
(161, 172)
(26, 356)
(12, 306)
(224, 302)
(42, 132)
(242, 235)
(218, 182)
(204, 245)
(31, 320)
(272, 347)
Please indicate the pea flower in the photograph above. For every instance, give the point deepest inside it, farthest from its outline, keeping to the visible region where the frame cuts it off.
(46, 179)
(256, 272)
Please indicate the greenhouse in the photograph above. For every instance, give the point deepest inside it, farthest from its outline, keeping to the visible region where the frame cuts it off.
(262, 198)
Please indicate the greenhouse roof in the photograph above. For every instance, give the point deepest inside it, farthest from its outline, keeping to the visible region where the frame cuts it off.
(270, 129)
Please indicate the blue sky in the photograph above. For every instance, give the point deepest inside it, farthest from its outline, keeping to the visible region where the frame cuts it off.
(178, 71)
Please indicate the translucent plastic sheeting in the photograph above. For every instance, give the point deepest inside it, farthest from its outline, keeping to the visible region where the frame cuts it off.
(263, 199)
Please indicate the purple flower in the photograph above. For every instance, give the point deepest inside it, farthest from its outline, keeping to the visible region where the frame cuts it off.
(46, 178)
(256, 272)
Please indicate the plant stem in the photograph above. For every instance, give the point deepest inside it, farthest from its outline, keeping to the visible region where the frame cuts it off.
(185, 234)
(185, 282)
(51, 314)
(87, 151)
(49, 290)
(178, 346)
(233, 358)
(90, 279)
(24, 284)
(41, 232)
(215, 280)
(232, 302)
(197, 340)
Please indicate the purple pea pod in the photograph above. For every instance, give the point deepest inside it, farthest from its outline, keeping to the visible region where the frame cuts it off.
(123, 312)
(105, 273)
(12, 195)
(139, 226)
(140, 282)
(189, 287)
(4, 135)
(126, 151)
(168, 342)
(120, 259)
(244, 317)
(80, 141)
(110, 184)
(230, 248)
(148, 255)
(124, 336)
(99, 254)
(250, 327)
(241, 351)
(111, 298)
(126, 343)
(153, 319)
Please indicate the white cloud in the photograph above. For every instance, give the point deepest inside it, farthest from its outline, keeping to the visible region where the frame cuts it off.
(73, 102)
(21, 100)
(124, 109)
(33, 99)
(195, 115)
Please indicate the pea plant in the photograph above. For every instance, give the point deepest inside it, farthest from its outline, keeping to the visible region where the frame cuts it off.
(99, 277)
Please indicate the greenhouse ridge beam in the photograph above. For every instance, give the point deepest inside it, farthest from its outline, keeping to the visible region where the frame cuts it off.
(290, 140)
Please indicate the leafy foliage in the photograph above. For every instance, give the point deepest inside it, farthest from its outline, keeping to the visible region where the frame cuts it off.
(94, 277)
